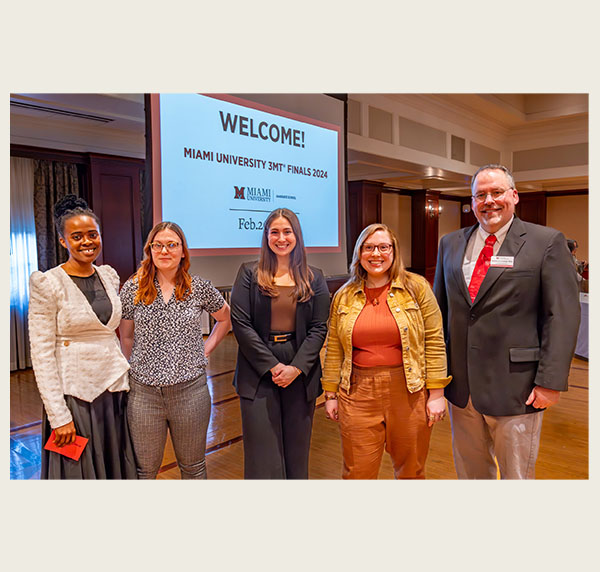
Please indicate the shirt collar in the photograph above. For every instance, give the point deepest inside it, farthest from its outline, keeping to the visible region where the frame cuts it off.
(500, 234)
(396, 283)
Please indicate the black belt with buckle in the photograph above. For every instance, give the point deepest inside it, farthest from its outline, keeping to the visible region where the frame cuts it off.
(282, 337)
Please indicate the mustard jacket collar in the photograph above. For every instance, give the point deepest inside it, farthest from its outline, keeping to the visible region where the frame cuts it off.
(396, 284)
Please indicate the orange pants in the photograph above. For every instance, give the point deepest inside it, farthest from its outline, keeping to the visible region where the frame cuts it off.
(380, 411)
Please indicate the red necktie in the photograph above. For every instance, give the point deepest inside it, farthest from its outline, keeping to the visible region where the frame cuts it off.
(481, 266)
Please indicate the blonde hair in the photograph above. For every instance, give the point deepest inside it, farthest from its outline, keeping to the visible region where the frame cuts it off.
(397, 272)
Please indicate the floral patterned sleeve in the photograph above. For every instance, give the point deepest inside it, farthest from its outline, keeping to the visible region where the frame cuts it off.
(212, 300)
(126, 295)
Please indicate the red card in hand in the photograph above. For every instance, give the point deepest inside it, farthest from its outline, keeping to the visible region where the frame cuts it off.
(73, 450)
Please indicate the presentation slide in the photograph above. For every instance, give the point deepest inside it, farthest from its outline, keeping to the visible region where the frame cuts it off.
(225, 163)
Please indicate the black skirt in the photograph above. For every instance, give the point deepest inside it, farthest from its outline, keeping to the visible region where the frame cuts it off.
(108, 453)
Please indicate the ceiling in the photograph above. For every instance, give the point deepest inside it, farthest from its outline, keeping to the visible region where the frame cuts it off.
(410, 176)
(508, 112)
(115, 111)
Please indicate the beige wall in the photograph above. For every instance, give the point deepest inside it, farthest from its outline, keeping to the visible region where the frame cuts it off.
(449, 219)
(418, 128)
(569, 214)
(395, 212)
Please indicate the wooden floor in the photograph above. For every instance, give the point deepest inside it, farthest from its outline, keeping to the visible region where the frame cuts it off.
(563, 450)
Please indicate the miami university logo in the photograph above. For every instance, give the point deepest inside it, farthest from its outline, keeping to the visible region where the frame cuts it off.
(239, 192)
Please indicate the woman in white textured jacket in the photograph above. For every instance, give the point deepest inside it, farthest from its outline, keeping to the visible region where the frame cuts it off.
(74, 310)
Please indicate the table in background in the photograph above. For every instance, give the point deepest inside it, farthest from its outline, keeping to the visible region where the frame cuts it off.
(581, 349)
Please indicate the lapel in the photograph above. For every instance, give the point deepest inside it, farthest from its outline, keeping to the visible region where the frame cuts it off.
(515, 238)
(303, 317)
(75, 291)
(456, 261)
(300, 326)
(262, 310)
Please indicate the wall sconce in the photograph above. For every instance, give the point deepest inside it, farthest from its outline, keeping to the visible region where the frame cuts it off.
(431, 210)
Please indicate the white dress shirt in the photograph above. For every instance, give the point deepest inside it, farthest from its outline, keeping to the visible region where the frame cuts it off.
(476, 243)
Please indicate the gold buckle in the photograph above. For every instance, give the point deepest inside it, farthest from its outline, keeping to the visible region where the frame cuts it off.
(280, 338)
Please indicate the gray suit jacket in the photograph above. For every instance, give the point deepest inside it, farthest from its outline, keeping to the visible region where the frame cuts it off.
(521, 329)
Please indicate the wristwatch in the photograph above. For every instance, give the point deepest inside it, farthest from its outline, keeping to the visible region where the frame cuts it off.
(329, 397)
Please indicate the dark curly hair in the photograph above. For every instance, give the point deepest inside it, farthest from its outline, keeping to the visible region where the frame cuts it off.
(68, 207)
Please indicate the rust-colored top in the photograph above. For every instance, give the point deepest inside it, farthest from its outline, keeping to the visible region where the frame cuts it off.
(376, 339)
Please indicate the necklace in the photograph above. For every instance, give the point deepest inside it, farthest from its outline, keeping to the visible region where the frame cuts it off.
(373, 294)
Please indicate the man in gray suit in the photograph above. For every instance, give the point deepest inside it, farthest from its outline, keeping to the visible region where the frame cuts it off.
(508, 294)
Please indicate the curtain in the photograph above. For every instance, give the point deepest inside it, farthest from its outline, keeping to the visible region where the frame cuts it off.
(23, 258)
(52, 181)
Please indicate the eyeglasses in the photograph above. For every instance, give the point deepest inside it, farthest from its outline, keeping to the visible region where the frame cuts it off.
(480, 197)
(383, 248)
(157, 246)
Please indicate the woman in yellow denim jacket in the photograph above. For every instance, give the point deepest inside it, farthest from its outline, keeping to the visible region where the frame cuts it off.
(385, 363)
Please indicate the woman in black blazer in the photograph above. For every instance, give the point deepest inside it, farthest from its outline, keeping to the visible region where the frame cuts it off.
(279, 311)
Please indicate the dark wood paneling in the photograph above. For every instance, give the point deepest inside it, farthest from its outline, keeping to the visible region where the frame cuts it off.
(455, 198)
(116, 201)
(466, 218)
(364, 208)
(567, 193)
(424, 236)
(335, 282)
(43, 154)
(146, 196)
(532, 207)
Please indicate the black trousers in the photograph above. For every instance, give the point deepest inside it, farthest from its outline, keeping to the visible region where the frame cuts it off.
(277, 426)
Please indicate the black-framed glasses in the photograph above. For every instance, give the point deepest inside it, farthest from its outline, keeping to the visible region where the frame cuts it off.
(480, 197)
(383, 248)
(158, 246)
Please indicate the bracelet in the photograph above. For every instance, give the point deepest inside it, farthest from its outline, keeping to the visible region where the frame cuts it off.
(329, 397)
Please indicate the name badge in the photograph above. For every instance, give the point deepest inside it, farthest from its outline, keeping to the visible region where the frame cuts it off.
(502, 261)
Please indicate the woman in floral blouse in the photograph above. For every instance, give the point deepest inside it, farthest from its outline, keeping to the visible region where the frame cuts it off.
(161, 335)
